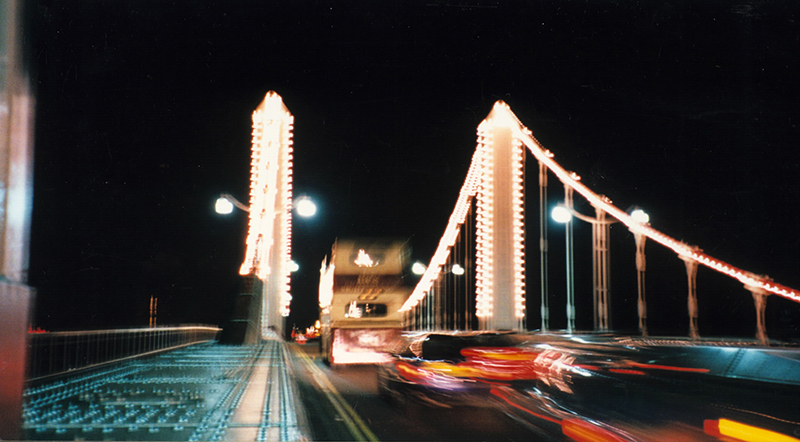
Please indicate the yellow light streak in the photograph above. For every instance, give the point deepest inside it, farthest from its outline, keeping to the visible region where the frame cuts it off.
(749, 433)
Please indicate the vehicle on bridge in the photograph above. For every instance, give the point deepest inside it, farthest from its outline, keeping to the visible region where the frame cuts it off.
(361, 291)
(602, 387)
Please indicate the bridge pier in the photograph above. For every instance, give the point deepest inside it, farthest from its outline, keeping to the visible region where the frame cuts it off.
(269, 235)
(500, 277)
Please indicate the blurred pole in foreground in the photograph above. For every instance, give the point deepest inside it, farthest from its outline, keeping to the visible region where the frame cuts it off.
(16, 193)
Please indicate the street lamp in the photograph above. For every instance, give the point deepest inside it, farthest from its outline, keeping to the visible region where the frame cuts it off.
(563, 214)
(418, 268)
(641, 217)
(226, 202)
(305, 207)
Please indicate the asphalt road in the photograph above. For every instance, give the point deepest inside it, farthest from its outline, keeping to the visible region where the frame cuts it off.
(343, 404)
(611, 397)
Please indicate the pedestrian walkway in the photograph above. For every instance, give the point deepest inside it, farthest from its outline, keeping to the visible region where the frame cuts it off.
(202, 392)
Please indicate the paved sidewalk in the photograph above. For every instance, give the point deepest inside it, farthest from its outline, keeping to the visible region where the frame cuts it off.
(270, 409)
(202, 392)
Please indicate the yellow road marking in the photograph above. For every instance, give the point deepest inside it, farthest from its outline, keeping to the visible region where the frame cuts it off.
(357, 427)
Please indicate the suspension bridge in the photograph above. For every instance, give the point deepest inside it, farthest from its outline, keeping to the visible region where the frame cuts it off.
(476, 281)
(495, 239)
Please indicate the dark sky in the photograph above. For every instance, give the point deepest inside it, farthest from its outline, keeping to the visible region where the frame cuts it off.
(688, 109)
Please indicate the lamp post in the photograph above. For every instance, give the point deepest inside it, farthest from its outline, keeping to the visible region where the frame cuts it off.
(226, 202)
(640, 216)
(563, 214)
(303, 205)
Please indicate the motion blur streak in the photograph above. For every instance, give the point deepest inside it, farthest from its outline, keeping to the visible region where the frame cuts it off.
(583, 431)
(505, 353)
(669, 367)
(576, 429)
(500, 394)
(740, 431)
(626, 371)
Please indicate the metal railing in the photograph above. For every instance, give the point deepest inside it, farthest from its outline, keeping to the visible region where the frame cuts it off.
(53, 353)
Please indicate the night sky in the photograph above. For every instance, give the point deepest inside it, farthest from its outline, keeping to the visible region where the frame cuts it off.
(687, 109)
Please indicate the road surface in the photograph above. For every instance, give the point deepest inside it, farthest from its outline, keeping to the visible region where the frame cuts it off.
(343, 404)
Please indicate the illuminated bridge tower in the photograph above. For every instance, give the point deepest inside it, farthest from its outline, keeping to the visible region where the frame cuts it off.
(269, 236)
(500, 230)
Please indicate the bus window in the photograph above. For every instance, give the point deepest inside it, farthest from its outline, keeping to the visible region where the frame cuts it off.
(364, 310)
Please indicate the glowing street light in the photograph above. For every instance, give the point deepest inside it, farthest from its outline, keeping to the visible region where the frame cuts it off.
(640, 216)
(223, 206)
(456, 269)
(293, 266)
(305, 207)
(226, 202)
(418, 268)
(561, 214)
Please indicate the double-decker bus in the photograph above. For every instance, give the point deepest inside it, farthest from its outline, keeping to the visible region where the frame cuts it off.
(360, 292)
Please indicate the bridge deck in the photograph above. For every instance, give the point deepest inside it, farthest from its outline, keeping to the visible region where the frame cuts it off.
(216, 392)
(204, 392)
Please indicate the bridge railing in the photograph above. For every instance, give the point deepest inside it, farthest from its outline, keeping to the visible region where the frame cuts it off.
(53, 353)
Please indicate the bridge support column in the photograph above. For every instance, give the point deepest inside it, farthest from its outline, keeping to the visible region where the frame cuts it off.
(269, 236)
(500, 278)
(760, 299)
(640, 269)
(570, 262)
(601, 272)
(691, 273)
(544, 289)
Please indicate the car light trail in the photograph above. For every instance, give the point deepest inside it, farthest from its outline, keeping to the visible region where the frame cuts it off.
(746, 433)
(584, 431)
